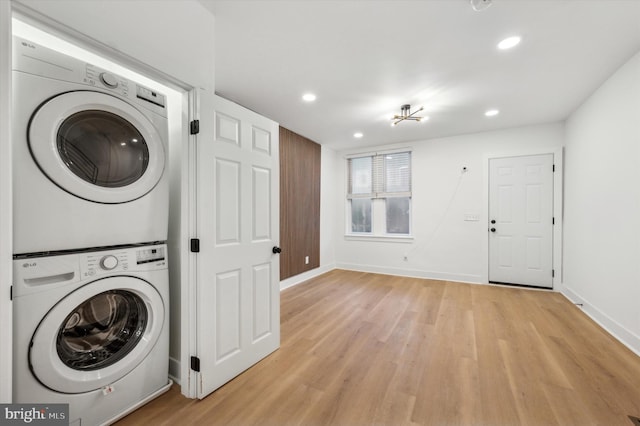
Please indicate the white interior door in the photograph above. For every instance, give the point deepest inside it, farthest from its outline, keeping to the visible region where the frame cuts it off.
(521, 220)
(238, 320)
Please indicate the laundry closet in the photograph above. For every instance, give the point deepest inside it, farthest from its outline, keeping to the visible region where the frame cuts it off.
(95, 155)
(90, 208)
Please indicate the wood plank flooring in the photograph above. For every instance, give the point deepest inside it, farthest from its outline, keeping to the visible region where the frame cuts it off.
(367, 349)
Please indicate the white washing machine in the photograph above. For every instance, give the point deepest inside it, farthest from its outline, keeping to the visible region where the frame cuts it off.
(89, 155)
(91, 330)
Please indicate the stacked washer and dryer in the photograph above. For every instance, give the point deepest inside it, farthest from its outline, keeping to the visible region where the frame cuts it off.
(91, 286)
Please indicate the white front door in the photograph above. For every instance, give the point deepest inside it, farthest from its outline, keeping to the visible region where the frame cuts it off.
(521, 220)
(238, 319)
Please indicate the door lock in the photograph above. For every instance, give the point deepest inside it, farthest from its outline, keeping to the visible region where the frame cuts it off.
(493, 229)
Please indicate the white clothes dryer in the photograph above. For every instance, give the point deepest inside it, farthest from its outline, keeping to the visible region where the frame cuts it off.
(89, 155)
(91, 331)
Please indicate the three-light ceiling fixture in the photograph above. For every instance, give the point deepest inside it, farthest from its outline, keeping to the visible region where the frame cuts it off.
(406, 114)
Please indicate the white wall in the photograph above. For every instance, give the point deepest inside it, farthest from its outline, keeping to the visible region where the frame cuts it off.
(602, 204)
(6, 227)
(328, 174)
(444, 245)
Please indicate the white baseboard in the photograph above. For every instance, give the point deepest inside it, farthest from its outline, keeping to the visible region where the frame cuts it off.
(413, 273)
(174, 370)
(626, 337)
(297, 279)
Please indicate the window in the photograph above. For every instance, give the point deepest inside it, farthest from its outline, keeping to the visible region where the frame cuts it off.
(379, 186)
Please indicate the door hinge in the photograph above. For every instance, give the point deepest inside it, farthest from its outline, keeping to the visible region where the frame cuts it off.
(553, 220)
(11, 293)
(195, 363)
(553, 169)
(553, 273)
(194, 127)
(195, 245)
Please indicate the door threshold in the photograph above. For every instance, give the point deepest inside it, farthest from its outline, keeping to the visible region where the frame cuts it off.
(529, 286)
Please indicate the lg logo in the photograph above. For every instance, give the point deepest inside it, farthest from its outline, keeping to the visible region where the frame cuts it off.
(29, 264)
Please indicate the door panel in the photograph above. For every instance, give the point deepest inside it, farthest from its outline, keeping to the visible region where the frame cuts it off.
(227, 195)
(228, 314)
(238, 221)
(261, 199)
(262, 301)
(521, 204)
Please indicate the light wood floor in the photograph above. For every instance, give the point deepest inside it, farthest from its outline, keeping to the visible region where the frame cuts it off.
(363, 349)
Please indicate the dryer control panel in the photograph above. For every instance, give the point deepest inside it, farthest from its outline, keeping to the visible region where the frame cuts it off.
(95, 76)
(32, 58)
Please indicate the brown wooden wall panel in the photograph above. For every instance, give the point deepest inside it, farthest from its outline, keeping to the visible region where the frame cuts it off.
(299, 203)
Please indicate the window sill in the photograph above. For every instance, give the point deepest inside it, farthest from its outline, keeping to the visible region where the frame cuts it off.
(379, 238)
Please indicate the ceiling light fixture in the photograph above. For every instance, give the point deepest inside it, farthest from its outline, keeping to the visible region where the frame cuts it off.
(309, 97)
(406, 114)
(358, 135)
(492, 113)
(509, 42)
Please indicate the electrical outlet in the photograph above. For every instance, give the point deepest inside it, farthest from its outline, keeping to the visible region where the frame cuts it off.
(306, 260)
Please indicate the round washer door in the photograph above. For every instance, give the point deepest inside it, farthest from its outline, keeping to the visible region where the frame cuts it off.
(97, 334)
(97, 147)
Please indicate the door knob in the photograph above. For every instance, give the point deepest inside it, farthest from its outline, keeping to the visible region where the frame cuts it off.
(276, 250)
(493, 229)
(493, 221)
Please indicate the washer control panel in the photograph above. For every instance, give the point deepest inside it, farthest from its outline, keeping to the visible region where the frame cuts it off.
(92, 264)
(109, 262)
(128, 259)
(149, 255)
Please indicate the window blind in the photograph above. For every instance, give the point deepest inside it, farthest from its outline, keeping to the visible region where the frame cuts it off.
(380, 176)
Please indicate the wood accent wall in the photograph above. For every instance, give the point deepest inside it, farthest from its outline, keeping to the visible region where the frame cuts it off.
(299, 203)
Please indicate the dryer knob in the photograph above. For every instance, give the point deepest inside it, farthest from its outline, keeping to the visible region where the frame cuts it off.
(109, 262)
(109, 80)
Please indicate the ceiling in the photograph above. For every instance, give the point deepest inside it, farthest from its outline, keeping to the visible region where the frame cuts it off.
(365, 58)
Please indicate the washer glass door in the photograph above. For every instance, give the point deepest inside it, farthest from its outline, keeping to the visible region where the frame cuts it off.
(102, 330)
(97, 334)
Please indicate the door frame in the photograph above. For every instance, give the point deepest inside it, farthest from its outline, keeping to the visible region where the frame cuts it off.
(189, 259)
(558, 207)
(6, 220)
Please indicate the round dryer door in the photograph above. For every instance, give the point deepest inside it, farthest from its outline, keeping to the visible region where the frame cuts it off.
(97, 147)
(97, 334)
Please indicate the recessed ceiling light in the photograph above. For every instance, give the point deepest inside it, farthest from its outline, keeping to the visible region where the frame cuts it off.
(491, 112)
(309, 97)
(509, 42)
(358, 135)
